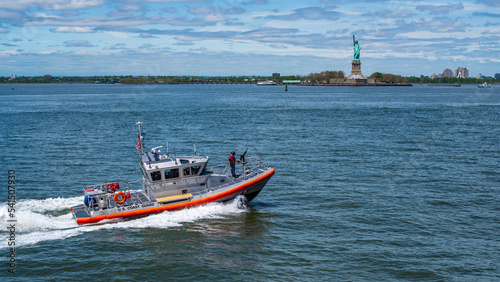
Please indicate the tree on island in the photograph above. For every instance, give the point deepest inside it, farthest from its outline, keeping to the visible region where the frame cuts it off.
(387, 77)
(324, 76)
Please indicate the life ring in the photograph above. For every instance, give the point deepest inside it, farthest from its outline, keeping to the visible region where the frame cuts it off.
(112, 187)
(120, 198)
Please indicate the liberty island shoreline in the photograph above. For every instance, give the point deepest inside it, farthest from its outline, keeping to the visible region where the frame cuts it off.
(229, 80)
(208, 83)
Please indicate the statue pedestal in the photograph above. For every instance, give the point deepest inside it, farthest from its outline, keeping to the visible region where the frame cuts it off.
(356, 71)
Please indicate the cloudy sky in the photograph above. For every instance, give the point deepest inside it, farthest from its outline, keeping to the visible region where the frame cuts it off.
(247, 37)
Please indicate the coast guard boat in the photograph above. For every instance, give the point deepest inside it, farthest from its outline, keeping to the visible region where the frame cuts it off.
(171, 183)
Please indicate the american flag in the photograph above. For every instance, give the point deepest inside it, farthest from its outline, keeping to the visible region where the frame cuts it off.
(138, 146)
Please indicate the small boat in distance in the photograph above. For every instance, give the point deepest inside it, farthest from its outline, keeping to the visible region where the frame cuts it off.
(484, 85)
(171, 183)
(266, 82)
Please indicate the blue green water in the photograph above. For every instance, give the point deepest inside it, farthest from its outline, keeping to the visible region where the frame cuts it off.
(371, 183)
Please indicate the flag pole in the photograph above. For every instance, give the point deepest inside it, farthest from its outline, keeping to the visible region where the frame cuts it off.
(139, 145)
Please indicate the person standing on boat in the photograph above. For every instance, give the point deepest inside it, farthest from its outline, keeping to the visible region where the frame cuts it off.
(232, 162)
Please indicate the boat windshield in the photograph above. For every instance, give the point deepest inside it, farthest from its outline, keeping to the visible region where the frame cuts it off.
(171, 173)
(195, 169)
(155, 176)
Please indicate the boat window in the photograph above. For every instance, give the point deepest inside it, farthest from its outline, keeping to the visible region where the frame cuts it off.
(171, 173)
(187, 171)
(184, 161)
(195, 169)
(155, 176)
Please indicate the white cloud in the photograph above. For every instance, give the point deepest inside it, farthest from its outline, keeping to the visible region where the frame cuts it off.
(186, 38)
(72, 4)
(73, 29)
(493, 3)
(146, 46)
(493, 31)
(131, 7)
(202, 10)
(9, 52)
(212, 10)
(440, 9)
(214, 18)
(308, 13)
(119, 46)
(19, 5)
(278, 46)
(78, 43)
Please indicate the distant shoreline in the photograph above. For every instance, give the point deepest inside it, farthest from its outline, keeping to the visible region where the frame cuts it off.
(325, 78)
(260, 86)
(278, 84)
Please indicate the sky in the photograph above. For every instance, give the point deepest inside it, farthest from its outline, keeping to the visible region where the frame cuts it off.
(248, 37)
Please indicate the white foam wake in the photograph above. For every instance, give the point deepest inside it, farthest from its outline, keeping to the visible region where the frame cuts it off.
(176, 218)
(35, 222)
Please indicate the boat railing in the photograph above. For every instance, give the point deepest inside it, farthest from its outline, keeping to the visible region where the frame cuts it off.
(217, 168)
(101, 196)
(243, 169)
(122, 186)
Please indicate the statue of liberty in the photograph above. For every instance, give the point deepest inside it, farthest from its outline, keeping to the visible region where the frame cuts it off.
(357, 49)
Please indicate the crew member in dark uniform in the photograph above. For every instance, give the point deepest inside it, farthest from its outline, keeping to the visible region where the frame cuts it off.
(232, 162)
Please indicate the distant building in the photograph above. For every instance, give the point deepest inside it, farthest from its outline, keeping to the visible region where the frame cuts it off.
(461, 72)
(497, 75)
(276, 74)
(447, 73)
(479, 76)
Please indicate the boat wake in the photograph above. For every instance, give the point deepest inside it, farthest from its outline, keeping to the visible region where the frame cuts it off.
(50, 219)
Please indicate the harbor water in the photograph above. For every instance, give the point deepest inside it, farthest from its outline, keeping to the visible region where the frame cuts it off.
(371, 183)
